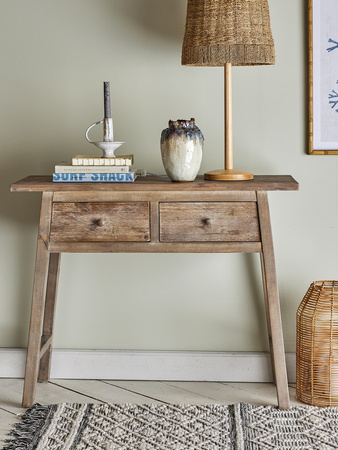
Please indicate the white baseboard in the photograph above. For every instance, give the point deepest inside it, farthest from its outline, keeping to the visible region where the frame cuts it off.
(151, 365)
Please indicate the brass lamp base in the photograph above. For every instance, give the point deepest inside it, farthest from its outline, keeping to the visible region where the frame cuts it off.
(228, 175)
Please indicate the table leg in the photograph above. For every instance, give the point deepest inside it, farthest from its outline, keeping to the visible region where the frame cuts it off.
(272, 305)
(268, 316)
(38, 302)
(48, 321)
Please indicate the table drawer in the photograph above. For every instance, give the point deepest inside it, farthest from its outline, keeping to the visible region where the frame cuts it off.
(109, 221)
(209, 222)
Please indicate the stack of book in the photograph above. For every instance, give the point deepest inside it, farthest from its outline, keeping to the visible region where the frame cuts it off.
(95, 169)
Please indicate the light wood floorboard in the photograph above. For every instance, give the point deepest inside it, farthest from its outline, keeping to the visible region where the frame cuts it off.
(111, 391)
(104, 392)
(165, 392)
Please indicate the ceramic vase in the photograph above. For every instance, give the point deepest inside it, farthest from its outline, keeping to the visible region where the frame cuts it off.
(181, 149)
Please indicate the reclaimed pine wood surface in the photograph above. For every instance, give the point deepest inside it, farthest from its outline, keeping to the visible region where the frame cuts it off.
(272, 305)
(48, 320)
(155, 247)
(41, 183)
(205, 224)
(38, 301)
(96, 221)
(155, 196)
(208, 221)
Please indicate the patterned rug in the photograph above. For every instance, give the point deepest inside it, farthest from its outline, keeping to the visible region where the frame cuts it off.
(175, 427)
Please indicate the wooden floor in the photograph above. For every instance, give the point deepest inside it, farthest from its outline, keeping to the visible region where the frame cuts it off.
(96, 391)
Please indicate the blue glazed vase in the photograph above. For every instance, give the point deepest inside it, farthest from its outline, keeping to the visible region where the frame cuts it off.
(182, 150)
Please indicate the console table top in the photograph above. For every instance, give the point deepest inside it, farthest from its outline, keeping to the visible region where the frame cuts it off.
(44, 183)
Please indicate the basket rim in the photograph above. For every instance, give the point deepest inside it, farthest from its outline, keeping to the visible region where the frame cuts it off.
(324, 284)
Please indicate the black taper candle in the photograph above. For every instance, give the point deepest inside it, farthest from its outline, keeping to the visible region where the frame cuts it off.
(106, 93)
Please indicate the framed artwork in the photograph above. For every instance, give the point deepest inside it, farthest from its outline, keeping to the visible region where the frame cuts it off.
(323, 77)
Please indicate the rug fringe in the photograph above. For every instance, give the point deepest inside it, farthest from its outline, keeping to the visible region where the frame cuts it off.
(29, 430)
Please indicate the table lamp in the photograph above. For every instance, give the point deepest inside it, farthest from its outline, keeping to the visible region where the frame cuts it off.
(228, 33)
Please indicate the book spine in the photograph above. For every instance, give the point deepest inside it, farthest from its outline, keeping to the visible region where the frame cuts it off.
(94, 177)
(92, 169)
(102, 161)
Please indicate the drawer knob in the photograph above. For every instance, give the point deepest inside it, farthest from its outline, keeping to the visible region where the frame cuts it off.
(97, 223)
(206, 221)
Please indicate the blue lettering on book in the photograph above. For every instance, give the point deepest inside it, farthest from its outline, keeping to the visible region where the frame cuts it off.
(93, 177)
(68, 176)
(111, 177)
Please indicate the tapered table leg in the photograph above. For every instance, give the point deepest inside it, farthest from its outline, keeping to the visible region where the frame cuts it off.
(268, 316)
(272, 305)
(38, 302)
(48, 321)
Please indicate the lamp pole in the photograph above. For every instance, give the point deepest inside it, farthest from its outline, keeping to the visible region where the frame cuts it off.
(228, 156)
(228, 173)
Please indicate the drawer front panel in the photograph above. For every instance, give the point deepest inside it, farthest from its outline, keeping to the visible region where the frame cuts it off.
(90, 222)
(209, 222)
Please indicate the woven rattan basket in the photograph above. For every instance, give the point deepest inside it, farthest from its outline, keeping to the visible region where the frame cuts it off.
(317, 345)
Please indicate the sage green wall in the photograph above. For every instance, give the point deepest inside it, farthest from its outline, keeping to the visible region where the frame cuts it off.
(55, 56)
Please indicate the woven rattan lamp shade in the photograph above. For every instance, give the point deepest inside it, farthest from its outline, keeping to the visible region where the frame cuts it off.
(317, 345)
(228, 31)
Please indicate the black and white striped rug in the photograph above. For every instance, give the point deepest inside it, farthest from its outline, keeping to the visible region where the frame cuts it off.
(175, 427)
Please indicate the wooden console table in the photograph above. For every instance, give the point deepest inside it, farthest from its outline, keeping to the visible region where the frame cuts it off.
(150, 215)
